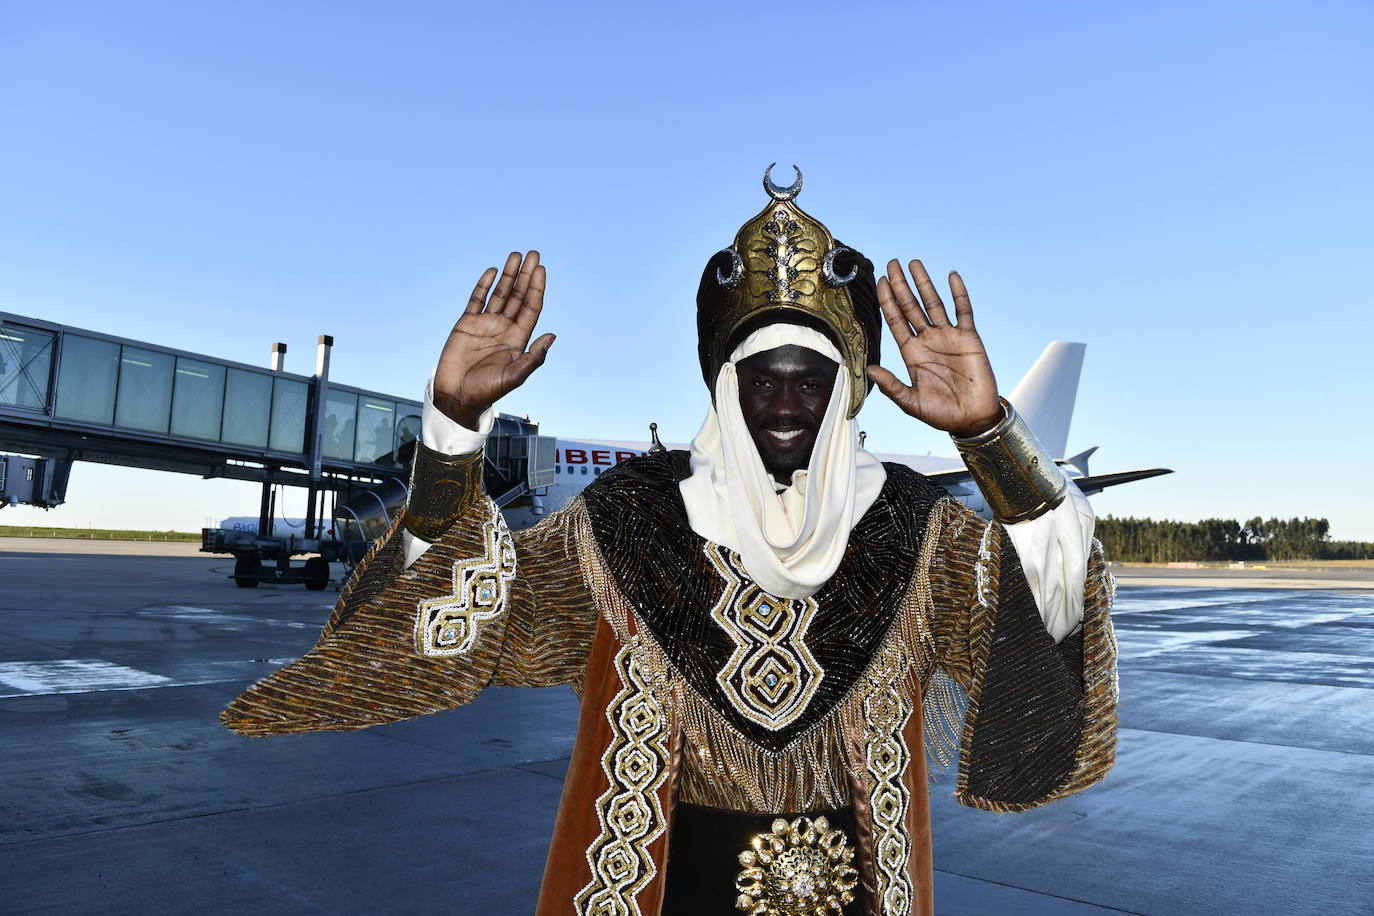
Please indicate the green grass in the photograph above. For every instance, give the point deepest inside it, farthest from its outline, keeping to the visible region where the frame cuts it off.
(94, 534)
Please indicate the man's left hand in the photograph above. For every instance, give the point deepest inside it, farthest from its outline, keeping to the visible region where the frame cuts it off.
(952, 387)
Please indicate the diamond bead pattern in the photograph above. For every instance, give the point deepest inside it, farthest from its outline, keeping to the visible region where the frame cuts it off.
(450, 625)
(771, 676)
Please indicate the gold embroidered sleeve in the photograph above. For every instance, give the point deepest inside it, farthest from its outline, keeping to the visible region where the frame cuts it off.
(552, 618)
(1041, 719)
(481, 606)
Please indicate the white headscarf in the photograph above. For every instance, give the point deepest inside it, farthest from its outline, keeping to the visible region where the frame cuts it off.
(792, 539)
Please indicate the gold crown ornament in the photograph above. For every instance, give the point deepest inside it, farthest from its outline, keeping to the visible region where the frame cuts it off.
(783, 265)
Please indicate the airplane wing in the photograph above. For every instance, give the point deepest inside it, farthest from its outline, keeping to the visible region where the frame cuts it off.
(1099, 482)
(959, 479)
(952, 478)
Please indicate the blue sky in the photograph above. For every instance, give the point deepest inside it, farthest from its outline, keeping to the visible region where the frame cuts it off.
(1184, 186)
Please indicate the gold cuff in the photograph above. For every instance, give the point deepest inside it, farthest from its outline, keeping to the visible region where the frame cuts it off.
(1018, 479)
(442, 488)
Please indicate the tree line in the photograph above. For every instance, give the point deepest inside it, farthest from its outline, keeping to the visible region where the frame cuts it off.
(1144, 540)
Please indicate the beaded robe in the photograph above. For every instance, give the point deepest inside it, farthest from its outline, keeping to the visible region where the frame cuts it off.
(698, 686)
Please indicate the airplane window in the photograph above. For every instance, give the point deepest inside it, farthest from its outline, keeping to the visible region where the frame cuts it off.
(584, 469)
(558, 469)
(598, 472)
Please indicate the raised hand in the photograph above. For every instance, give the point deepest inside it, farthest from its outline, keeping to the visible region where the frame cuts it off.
(485, 358)
(952, 387)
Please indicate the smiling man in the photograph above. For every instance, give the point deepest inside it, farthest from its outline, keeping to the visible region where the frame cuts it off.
(769, 633)
(783, 396)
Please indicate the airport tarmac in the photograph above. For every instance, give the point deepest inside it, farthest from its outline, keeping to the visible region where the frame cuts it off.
(1244, 782)
(1302, 578)
(101, 547)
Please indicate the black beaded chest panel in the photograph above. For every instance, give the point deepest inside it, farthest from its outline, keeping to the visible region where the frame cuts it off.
(772, 667)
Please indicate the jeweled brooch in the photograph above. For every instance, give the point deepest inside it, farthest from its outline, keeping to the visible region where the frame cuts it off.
(800, 868)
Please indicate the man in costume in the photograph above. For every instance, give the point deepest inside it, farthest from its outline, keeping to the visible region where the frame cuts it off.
(769, 634)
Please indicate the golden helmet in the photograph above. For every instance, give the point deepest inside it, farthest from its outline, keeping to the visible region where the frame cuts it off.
(785, 266)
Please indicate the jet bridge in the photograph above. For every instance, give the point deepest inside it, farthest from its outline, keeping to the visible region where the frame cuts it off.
(69, 394)
(518, 468)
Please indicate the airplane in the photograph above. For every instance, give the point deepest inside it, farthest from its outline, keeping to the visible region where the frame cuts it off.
(1044, 398)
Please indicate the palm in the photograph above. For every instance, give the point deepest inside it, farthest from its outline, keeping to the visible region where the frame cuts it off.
(952, 386)
(485, 356)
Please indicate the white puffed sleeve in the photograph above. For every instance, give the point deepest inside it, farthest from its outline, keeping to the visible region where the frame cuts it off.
(1054, 553)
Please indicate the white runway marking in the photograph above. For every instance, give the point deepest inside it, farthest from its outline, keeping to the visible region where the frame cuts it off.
(31, 679)
(1140, 643)
(210, 615)
(1159, 599)
(72, 675)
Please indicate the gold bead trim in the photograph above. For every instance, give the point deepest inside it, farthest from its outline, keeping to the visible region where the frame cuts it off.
(629, 811)
(886, 709)
(451, 624)
(771, 676)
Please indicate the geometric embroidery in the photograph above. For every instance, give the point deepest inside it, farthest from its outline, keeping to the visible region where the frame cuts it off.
(631, 816)
(450, 625)
(982, 570)
(771, 676)
(886, 710)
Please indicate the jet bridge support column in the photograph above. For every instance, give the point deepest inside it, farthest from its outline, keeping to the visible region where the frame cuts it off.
(265, 508)
(313, 423)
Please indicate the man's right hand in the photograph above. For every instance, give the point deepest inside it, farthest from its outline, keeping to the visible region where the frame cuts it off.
(484, 358)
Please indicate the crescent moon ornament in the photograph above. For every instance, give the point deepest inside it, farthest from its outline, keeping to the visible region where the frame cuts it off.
(778, 193)
(736, 274)
(828, 268)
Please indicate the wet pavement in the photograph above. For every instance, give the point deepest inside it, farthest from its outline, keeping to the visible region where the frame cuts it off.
(1244, 781)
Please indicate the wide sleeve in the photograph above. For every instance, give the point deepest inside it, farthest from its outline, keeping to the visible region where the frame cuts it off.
(481, 606)
(1041, 718)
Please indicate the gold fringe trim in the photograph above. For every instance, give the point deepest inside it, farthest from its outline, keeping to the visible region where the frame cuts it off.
(724, 769)
(943, 706)
(1101, 688)
(943, 701)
